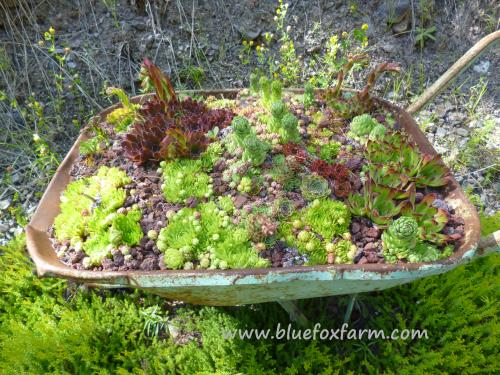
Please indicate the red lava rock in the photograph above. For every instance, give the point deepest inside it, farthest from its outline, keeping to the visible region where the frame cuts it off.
(459, 229)
(353, 163)
(372, 257)
(369, 246)
(76, 256)
(363, 260)
(456, 236)
(161, 263)
(118, 259)
(239, 201)
(372, 232)
(149, 264)
(355, 228)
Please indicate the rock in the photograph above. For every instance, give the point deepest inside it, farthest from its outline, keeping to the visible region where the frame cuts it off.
(363, 260)
(76, 256)
(3, 228)
(390, 46)
(462, 132)
(371, 232)
(239, 201)
(4, 204)
(248, 31)
(482, 67)
(149, 264)
(355, 227)
(441, 132)
(372, 257)
(370, 246)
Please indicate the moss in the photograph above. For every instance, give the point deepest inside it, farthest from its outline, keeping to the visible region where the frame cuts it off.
(328, 218)
(489, 224)
(458, 310)
(183, 179)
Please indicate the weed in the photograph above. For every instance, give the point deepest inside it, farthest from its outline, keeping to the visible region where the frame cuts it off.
(424, 35)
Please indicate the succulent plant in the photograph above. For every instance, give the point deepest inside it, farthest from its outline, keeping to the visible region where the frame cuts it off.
(328, 218)
(400, 238)
(265, 91)
(241, 129)
(314, 187)
(424, 252)
(296, 150)
(376, 203)
(430, 219)
(174, 259)
(260, 227)
(362, 125)
(308, 98)
(184, 179)
(290, 128)
(276, 91)
(377, 133)
(254, 150)
(254, 83)
(344, 251)
(278, 111)
(283, 207)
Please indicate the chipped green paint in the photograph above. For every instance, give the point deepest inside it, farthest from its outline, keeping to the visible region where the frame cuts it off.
(223, 289)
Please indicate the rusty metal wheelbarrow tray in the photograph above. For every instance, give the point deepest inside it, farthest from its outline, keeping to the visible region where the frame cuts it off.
(235, 287)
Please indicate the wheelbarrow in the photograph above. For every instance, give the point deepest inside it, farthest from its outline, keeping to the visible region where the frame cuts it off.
(283, 285)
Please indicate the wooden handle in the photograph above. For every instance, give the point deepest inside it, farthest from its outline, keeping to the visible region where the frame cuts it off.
(452, 72)
(489, 243)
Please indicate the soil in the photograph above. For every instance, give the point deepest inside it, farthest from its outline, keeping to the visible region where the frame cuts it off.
(145, 191)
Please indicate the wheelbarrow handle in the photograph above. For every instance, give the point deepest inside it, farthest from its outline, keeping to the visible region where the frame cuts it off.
(490, 243)
(453, 71)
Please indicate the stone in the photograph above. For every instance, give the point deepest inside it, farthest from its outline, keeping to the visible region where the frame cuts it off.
(371, 232)
(239, 201)
(482, 67)
(370, 246)
(441, 132)
(462, 132)
(3, 228)
(355, 227)
(4, 204)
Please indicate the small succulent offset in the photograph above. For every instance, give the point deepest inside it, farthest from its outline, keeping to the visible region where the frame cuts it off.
(241, 129)
(290, 129)
(400, 239)
(278, 111)
(362, 125)
(343, 251)
(254, 83)
(314, 187)
(184, 179)
(265, 92)
(308, 98)
(283, 207)
(328, 218)
(254, 150)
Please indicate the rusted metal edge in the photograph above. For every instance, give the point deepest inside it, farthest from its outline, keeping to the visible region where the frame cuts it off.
(48, 265)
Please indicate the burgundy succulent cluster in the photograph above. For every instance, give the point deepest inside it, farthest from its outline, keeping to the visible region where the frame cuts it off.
(338, 175)
(170, 128)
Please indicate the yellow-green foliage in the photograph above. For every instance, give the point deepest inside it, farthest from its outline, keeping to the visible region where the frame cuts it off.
(42, 332)
(183, 179)
(192, 233)
(328, 218)
(114, 230)
(211, 155)
(489, 224)
(88, 214)
(344, 251)
(89, 198)
(122, 118)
